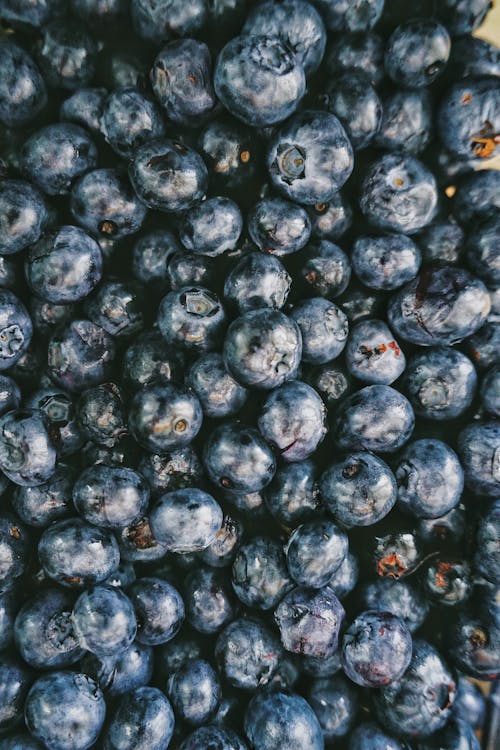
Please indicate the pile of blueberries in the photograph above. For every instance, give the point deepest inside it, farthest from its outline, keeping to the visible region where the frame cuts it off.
(250, 389)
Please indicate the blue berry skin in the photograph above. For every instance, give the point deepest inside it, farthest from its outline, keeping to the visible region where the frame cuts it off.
(181, 78)
(430, 479)
(138, 543)
(80, 356)
(165, 417)
(447, 528)
(372, 353)
(310, 157)
(20, 742)
(297, 23)
(335, 702)
(442, 242)
(487, 558)
(259, 79)
(116, 307)
(58, 410)
(15, 680)
(263, 348)
(149, 359)
(186, 520)
(472, 57)
(143, 720)
(293, 420)
(44, 632)
(376, 649)
(352, 98)
(222, 551)
(315, 666)
(260, 577)
(462, 16)
(247, 654)
(229, 150)
(369, 736)
(375, 418)
(101, 415)
(481, 252)
(171, 471)
(101, 16)
(65, 711)
(159, 610)
(16, 329)
(151, 256)
(194, 691)
(309, 621)
(237, 458)
(22, 89)
(213, 736)
(385, 262)
(23, 215)
(104, 621)
(274, 721)
(440, 382)
(402, 599)
(330, 220)
(15, 550)
(56, 155)
(192, 318)
(470, 703)
(212, 228)
(356, 51)
(27, 447)
(34, 15)
(468, 119)
(398, 194)
(110, 496)
(456, 735)
(219, 393)
(440, 306)
(406, 124)
(293, 495)
(325, 269)
(209, 600)
(315, 550)
(75, 554)
(417, 52)
(279, 226)
(104, 204)
(483, 346)
(345, 577)
(67, 55)
(8, 609)
(350, 15)
(168, 176)
(419, 703)
(129, 119)
(477, 196)
(257, 280)
(189, 269)
(324, 329)
(10, 394)
(360, 490)
(159, 21)
(63, 266)
(479, 449)
(85, 107)
(474, 637)
(39, 506)
(120, 673)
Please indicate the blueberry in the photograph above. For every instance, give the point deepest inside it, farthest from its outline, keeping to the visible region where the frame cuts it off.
(462, 16)
(143, 720)
(85, 107)
(297, 23)
(159, 610)
(27, 448)
(356, 51)
(372, 354)
(208, 736)
(186, 520)
(430, 479)
(44, 632)
(447, 582)
(369, 736)
(335, 703)
(397, 554)
(58, 410)
(181, 78)
(176, 653)
(129, 119)
(116, 307)
(417, 52)
(442, 242)
(104, 620)
(398, 194)
(279, 226)
(257, 280)
(360, 490)
(330, 220)
(229, 150)
(406, 124)
(237, 458)
(293, 495)
(16, 329)
(476, 196)
(29, 16)
(138, 543)
(209, 600)
(447, 528)
(474, 57)
(219, 393)
(474, 636)
(248, 654)
(277, 720)
(15, 680)
(10, 395)
(76, 554)
(192, 318)
(168, 176)
(22, 91)
(309, 621)
(479, 451)
(315, 550)
(352, 98)
(419, 703)
(110, 497)
(149, 359)
(323, 327)
(47, 502)
(15, 551)
(80, 355)
(222, 551)
(377, 418)
(259, 575)
(350, 15)
(101, 414)
(194, 691)
(331, 381)
(65, 711)
(122, 672)
(483, 346)
(263, 348)
(310, 157)
(103, 17)
(104, 204)
(487, 558)
(156, 21)
(385, 262)
(165, 417)
(152, 253)
(211, 228)
(188, 269)
(481, 252)
(456, 734)
(67, 55)
(259, 79)
(470, 704)
(22, 741)
(345, 577)
(23, 215)
(170, 471)
(401, 598)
